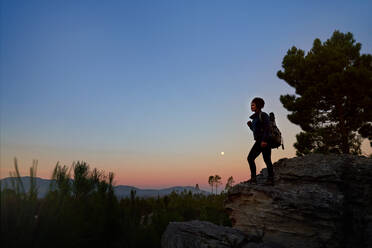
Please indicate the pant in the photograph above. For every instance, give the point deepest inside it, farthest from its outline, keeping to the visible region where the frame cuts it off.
(253, 154)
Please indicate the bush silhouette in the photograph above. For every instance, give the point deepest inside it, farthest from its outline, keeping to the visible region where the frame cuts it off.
(82, 211)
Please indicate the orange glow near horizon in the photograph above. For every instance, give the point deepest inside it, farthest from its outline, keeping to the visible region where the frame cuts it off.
(160, 171)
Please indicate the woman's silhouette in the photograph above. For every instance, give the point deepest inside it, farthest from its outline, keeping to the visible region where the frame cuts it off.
(260, 125)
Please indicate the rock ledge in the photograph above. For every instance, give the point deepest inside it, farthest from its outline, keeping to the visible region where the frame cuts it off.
(317, 201)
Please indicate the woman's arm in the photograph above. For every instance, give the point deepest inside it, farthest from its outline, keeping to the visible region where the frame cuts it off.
(249, 123)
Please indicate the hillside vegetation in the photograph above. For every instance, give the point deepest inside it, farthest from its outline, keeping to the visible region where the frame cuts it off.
(85, 212)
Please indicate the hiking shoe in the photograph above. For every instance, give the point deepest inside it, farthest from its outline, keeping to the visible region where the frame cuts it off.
(253, 181)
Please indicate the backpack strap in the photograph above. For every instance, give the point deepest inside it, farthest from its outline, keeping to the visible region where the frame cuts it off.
(260, 118)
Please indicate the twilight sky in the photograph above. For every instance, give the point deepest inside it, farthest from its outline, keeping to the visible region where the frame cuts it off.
(153, 91)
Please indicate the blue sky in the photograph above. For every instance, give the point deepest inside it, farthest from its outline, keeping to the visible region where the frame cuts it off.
(159, 86)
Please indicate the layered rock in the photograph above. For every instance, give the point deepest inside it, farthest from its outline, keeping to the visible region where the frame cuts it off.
(317, 201)
(203, 234)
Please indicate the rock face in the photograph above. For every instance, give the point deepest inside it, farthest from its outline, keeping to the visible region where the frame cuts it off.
(317, 201)
(203, 234)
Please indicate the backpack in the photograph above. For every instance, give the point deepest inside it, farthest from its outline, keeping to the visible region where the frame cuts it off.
(275, 134)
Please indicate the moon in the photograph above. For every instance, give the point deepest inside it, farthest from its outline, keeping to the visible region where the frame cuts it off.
(222, 153)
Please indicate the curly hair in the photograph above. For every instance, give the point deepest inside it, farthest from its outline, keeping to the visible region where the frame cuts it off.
(260, 103)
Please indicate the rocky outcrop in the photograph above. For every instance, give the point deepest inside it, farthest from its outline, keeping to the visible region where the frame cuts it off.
(317, 201)
(203, 234)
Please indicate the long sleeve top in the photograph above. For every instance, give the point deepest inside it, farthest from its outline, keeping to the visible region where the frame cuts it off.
(260, 126)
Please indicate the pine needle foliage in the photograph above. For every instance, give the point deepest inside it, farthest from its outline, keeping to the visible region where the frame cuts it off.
(333, 99)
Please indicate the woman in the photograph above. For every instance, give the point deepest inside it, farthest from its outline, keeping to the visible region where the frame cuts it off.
(260, 125)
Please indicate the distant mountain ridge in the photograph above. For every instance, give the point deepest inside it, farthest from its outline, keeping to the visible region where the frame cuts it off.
(121, 191)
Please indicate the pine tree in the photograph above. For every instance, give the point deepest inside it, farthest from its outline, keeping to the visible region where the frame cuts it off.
(217, 181)
(333, 99)
(211, 182)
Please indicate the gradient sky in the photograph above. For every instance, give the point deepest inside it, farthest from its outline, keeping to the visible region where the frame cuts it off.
(153, 90)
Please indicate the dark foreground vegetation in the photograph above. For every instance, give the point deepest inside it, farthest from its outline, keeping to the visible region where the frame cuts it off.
(84, 212)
